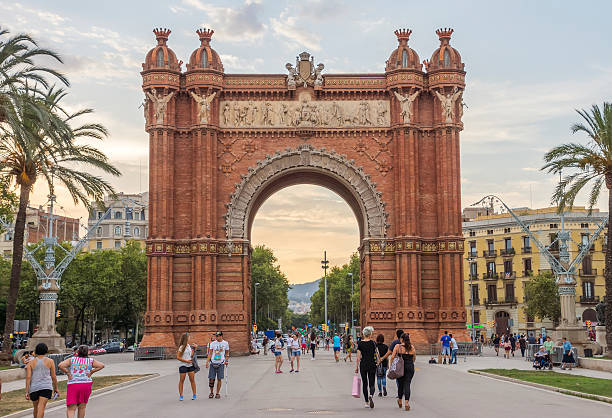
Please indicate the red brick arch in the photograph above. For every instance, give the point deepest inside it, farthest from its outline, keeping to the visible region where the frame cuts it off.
(221, 144)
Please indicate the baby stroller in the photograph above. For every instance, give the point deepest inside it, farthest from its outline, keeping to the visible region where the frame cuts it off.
(542, 362)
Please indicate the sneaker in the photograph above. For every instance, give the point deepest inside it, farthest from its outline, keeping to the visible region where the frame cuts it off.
(380, 394)
(181, 398)
(367, 405)
(291, 371)
(193, 398)
(371, 402)
(297, 371)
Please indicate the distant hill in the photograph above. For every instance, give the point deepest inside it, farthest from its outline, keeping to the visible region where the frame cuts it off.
(303, 291)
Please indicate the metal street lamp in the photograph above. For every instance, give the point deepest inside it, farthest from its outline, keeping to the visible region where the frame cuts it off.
(325, 266)
(471, 261)
(256, 284)
(352, 316)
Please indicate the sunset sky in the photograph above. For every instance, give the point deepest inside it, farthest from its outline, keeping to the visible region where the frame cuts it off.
(529, 65)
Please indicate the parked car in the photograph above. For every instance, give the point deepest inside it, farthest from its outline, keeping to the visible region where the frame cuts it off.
(96, 351)
(113, 347)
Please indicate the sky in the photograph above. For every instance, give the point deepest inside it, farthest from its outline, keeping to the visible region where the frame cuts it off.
(529, 66)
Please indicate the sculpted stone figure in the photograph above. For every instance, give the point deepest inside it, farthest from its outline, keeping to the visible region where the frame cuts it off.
(267, 114)
(283, 115)
(236, 114)
(226, 114)
(160, 104)
(406, 103)
(318, 75)
(600, 309)
(145, 108)
(203, 105)
(448, 103)
(364, 114)
(381, 110)
(336, 114)
(291, 76)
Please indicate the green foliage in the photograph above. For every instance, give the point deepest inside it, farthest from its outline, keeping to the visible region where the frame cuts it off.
(8, 200)
(542, 297)
(338, 295)
(272, 300)
(298, 320)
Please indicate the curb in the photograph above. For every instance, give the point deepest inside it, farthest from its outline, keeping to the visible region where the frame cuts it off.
(545, 387)
(28, 412)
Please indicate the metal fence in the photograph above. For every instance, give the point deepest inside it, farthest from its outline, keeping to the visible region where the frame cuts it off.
(152, 353)
(57, 359)
(556, 355)
(464, 349)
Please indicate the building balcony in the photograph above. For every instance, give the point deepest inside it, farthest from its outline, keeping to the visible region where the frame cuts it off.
(509, 275)
(591, 248)
(489, 276)
(489, 253)
(507, 252)
(497, 302)
(589, 299)
(526, 250)
(473, 276)
(587, 273)
(527, 273)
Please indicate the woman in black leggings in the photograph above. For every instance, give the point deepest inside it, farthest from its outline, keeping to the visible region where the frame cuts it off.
(408, 353)
(366, 364)
(313, 343)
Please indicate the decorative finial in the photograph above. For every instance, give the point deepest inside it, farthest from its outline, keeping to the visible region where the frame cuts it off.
(445, 34)
(403, 35)
(205, 35)
(161, 35)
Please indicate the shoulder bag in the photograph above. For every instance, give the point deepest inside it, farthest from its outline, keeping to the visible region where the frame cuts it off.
(396, 368)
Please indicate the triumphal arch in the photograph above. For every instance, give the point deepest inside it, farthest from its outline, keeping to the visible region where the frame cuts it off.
(221, 144)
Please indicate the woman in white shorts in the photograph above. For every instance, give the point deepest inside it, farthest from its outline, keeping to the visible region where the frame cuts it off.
(295, 353)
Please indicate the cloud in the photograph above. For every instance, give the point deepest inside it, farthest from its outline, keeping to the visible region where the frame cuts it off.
(288, 27)
(233, 24)
(232, 62)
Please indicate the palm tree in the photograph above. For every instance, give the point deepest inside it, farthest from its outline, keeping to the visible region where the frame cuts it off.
(17, 67)
(32, 148)
(590, 163)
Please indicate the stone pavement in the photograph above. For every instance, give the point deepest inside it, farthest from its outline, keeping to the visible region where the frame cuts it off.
(324, 388)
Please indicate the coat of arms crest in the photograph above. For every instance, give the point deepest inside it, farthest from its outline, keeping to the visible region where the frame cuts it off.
(304, 72)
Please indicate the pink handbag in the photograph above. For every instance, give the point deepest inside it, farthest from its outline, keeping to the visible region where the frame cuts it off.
(356, 386)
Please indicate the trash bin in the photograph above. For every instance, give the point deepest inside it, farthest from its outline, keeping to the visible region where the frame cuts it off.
(588, 352)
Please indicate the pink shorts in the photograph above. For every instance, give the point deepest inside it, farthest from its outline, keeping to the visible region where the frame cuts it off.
(77, 393)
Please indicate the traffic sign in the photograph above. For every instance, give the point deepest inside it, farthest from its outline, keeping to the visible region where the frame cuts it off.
(309, 325)
(319, 326)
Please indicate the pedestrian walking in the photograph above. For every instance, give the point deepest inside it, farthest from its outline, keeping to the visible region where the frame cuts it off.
(337, 346)
(568, 355)
(289, 348)
(522, 344)
(349, 348)
(445, 341)
(496, 341)
(407, 352)
(327, 343)
(366, 365)
(79, 370)
(185, 356)
(278, 352)
(313, 343)
(454, 349)
(296, 351)
(265, 343)
(41, 380)
(382, 366)
(507, 347)
(216, 361)
(303, 343)
(512, 344)
(395, 342)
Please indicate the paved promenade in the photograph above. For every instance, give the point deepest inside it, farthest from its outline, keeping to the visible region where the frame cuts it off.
(324, 388)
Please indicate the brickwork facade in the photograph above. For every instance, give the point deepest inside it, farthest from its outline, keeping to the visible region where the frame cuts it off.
(221, 144)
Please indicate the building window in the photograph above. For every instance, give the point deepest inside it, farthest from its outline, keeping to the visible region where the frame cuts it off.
(489, 232)
(8, 236)
(142, 215)
(509, 292)
(527, 265)
(508, 267)
(129, 214)
(98, 245)
(475, 294)
(491, 268)
(160, 57)
(204, 60)
(584, 240)
(584, 225)
(118, 215)
(474, 269)
(446, 58)
(117, 244)
(587, 265)
(117, 230)
(472, 233)
(99, 230)
(472, 249)
(506, 230)
(554, 226)
(477, 317)
(492, 292)
(526, 244)
(554, 244)
(136, 231)
(588, 290)
(490, 245)
(508, 244)
(404, 58)
(100, 215)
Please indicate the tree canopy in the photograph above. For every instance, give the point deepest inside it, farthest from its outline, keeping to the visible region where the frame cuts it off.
(542, 297)
(272, 300)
